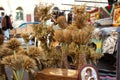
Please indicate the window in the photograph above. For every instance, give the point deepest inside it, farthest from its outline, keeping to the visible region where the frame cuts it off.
(36, 18)
(19, 13)
(28, 17)
(2, 11)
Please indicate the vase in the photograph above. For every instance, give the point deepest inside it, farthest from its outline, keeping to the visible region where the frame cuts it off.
(2, 72)
(18, 74)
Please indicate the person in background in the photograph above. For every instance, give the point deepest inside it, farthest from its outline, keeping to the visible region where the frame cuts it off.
(111, 2)
(1, 31)
(6, 26)
(69, 20)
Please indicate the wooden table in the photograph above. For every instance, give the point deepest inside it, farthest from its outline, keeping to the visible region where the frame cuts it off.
(57, 74)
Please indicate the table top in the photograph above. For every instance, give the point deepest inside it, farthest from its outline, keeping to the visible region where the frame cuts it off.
(60, 72)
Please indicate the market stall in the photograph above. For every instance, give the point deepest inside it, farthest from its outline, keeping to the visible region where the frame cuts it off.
(86, 44)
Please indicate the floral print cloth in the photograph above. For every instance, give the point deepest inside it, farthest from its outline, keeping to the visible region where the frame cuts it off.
(109, 45)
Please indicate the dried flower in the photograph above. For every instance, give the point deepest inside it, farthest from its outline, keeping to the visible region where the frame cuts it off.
(35, 52)
(25, 36)
(5, 52)
(22, 52)
(65, 52)
(75, 36)
(54, 57)
(85, 35)
(80, 21)
(62, 22)
(41, 32)
(93, 56)
(50, 29)
(58, 35)
(79, 9)
(44, 12)
(73, 48)
(13, 44)
(21, 62)
(67, 36)
(72, 27)
(80, 16)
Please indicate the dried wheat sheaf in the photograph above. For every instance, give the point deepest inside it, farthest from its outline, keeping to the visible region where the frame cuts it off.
(61, 21)
(25, 36)
(13, 44)
(21, 62)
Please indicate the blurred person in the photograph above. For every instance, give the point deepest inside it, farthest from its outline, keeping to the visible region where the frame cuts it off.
(6, 26)
(11, 18)
(2, 15)
(69, 19)
(111, 2)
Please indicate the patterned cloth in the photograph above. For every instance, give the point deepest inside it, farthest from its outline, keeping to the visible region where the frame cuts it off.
(98, 45)
(109, 45)
(1, 21)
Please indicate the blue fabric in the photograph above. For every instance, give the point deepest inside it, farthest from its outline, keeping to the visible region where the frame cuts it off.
(7, 33)
(98, 45)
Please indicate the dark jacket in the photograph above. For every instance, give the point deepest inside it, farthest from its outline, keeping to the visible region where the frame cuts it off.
(6, 23)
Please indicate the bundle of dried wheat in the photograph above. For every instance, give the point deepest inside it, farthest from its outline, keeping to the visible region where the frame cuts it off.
(93, 56)
(72, 27)
(58, 35)
(54, 57)
(5, 52)
(64, 61)
(41, 32)
(85, 35)
(19, 65)
(73, 48)
(79, 9)
(22, 52)
(21, 62)
(80, 19)
(13, 44)
(25, 36)
(75, 36)
(67, 36)
(35, 52)
(61, 21)
(44, 12)
(50, 29)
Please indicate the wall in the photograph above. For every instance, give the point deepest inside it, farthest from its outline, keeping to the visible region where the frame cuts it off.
(11, 5)
(29, 5)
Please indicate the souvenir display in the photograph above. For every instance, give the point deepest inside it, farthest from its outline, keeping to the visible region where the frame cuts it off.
(110, 43)
(88, 72)
(106, 12)
(64, 49)
(104, 22)
(105, 16)
(116, 16)
(93, 15)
